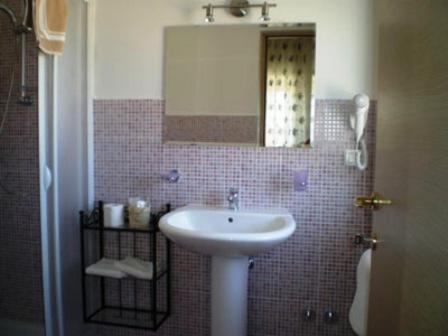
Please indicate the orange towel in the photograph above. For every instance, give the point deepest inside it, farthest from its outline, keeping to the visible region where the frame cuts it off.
(50, 24)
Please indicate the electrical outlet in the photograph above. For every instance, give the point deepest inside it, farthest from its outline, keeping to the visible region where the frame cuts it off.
(351, 156)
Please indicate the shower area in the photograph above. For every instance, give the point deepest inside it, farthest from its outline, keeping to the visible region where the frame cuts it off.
(42, 119)
(21, 304)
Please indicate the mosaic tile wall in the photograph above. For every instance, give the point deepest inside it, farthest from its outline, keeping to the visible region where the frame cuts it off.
(20, 258)
(222, 129)
(314, 269)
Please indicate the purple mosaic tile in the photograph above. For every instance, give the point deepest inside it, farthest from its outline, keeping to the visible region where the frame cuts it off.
(214, 129)
(315, 269)
(21, 296)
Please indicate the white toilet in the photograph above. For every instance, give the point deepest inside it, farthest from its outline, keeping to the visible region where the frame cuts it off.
(359, 309)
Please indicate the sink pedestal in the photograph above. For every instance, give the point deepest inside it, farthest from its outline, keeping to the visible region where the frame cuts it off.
(229, 295)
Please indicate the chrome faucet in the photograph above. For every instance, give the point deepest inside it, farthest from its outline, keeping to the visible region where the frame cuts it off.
(233, 199)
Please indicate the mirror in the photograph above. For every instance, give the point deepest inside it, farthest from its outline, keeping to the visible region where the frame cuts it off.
(240, 84)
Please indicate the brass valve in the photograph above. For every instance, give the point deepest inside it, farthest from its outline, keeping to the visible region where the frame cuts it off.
(374, 202)
(372, 241)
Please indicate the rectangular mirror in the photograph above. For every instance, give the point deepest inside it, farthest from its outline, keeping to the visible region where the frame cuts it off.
(240, 84)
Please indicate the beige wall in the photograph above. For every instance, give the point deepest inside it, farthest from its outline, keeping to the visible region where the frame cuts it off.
(129, 43)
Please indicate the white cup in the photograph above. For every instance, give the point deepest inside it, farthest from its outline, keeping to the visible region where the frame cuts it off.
(113, 215)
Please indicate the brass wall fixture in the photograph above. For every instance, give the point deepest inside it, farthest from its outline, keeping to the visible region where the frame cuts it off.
(239, 8)
(371, 241)
(374, 202)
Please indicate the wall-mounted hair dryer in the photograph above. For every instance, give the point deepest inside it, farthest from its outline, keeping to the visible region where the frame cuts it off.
(358, 122)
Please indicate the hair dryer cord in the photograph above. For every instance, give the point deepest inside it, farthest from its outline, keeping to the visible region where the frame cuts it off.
(362, 158)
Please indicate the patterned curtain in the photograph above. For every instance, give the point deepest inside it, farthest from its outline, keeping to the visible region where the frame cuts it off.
(289, 89)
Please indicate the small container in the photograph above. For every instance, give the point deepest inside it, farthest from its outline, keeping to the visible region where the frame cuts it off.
(113, 215)
(139, 213)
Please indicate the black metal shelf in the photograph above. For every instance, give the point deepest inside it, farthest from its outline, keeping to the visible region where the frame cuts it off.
(120, 229)
(124, 317)
(127, 302)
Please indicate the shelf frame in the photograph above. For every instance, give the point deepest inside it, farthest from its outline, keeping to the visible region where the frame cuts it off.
(94, 222)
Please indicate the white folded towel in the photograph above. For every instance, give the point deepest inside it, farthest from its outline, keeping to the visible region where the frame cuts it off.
(136, 267)
(107, 268)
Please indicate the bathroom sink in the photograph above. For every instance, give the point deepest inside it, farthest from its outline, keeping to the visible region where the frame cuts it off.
(223, 232)
(229, 237)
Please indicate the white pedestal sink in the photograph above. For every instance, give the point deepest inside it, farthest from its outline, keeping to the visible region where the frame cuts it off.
(230, 237)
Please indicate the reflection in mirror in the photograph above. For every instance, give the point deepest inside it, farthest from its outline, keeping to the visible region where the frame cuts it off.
(289, 90)
(240, 84)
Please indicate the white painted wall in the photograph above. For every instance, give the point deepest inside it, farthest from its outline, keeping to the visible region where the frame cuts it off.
(129, 43)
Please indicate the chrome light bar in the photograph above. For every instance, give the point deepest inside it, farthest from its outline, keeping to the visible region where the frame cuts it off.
(239, 8)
